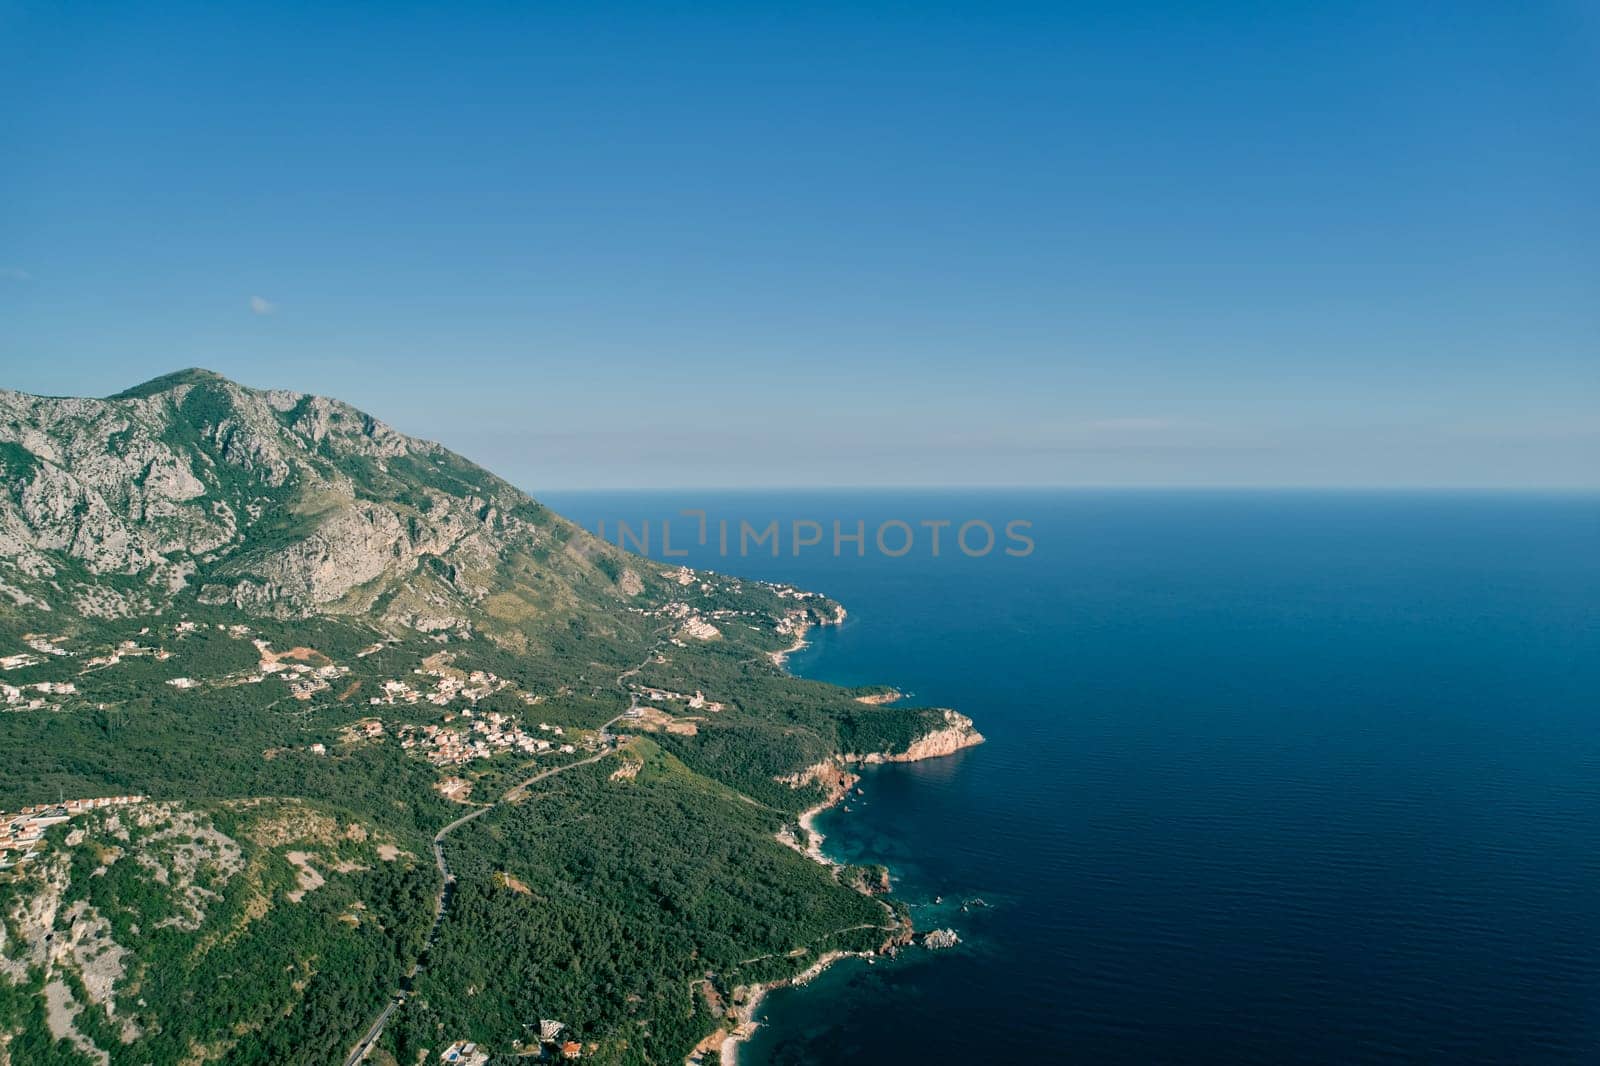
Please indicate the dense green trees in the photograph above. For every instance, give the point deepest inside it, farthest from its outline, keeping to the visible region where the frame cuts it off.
(600, 902)
(216, 951)
(609, 904)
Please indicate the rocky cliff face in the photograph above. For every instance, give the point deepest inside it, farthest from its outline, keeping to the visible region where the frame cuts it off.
(955, 734)
(828, 775)
(834, 778)
(279, 503)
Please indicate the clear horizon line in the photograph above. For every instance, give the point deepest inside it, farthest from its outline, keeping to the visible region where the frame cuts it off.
(1546, 490)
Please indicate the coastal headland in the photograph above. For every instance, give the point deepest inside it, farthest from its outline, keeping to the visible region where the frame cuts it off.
(837, 780)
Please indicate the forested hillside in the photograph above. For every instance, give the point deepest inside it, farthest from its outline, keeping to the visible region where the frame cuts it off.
(299, 644)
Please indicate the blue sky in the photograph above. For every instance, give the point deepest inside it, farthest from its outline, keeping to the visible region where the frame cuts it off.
(605, 245)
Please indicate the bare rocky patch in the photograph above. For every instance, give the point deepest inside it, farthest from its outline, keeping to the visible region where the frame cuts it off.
(61, 1012)
(190, 856)
(306, 875)
(100, 961)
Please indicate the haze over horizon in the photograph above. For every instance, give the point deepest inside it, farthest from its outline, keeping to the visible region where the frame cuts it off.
(616, 248)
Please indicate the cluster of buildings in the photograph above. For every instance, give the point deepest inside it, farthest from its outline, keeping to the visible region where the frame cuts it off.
(17, 697)
(481, 738)
(697, 702)
(22, 833)
(303, 678)
(793, 624)
(448, 685)
(45, 645)
(127, 650)
(238, 632)
(464, 1053)
(41, 645)
(303, 688)
(701, 625)
(366, 729)
(694, 624)
(700, 629)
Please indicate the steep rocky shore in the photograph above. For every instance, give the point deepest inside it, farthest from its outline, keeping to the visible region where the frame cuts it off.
(836, 779)
(801, 625)
(955, 734)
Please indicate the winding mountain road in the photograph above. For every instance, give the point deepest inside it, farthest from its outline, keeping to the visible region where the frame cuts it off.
(447, 879)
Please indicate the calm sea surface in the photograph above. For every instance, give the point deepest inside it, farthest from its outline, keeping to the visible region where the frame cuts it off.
(1271, 778)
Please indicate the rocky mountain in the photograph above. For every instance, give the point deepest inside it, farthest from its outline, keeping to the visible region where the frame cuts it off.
(259, 652)
(194, 488)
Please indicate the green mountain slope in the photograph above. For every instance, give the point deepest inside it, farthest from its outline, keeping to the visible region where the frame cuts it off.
(313, 642)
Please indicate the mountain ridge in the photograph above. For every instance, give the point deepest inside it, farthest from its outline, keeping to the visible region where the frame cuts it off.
(279, 502)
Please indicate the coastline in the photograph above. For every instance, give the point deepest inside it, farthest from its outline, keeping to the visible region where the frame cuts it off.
(814, 837)
(802, 626)
(726, 1040)
(728, 1048)
(745, 1024)
(780, 658)
(954, 736)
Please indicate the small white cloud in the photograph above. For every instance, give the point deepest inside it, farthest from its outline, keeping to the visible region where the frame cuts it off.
(14, 274)
(260, 305)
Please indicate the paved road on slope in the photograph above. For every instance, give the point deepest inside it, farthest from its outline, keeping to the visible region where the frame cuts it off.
(447, 879)
(374, 1032)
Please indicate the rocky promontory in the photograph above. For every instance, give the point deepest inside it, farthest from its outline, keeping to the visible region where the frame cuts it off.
(956, 733)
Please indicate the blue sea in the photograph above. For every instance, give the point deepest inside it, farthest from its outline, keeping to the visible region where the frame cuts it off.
(1270, 777)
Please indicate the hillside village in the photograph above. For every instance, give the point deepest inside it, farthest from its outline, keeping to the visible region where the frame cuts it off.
(463, 733)
(549, 1042)
(707, 623)
(307, 673)
(482, 738)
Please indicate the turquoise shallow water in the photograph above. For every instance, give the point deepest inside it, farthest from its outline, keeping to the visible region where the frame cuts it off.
(1270, 778)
